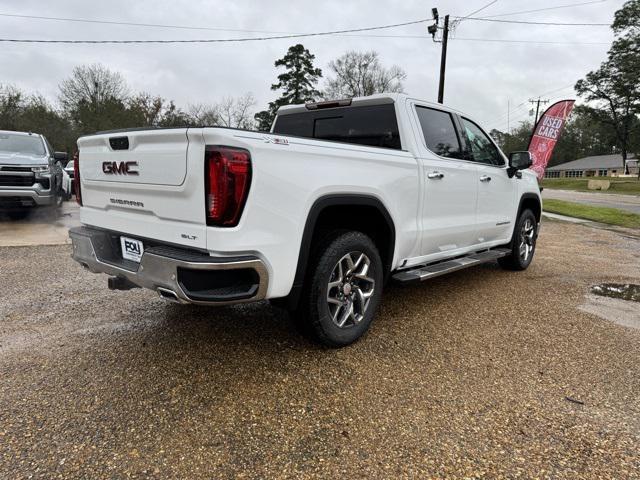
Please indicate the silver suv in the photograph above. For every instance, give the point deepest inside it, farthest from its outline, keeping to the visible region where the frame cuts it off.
(31, 173)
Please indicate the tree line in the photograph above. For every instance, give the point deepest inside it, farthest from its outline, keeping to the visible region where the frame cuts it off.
(609, 120)
(94, 98)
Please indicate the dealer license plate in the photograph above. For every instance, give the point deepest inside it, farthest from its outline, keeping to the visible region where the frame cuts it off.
(132, 249)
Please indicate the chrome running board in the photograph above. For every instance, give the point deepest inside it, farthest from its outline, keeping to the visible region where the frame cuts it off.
(425, 272)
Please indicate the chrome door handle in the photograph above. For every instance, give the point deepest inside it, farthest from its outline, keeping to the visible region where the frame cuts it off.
(485, 178)
(435, 175)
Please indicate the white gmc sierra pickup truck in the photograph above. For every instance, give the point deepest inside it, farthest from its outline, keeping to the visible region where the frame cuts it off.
(316, 215)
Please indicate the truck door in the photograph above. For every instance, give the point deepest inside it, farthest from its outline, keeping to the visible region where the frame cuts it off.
(496, 191)
(450, 185)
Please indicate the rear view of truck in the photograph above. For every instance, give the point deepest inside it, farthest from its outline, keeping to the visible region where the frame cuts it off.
(147, 200)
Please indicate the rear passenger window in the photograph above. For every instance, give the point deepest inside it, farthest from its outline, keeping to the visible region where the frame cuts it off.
(439, 132)
(374, 125)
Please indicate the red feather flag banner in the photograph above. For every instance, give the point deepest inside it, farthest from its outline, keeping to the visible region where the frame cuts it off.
(547, 133)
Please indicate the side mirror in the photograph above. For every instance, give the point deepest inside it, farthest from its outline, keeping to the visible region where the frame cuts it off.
(520, 160)
(62, 156)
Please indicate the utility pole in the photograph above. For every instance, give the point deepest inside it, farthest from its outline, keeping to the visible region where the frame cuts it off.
(433, 29)
(537, 102)
(443, 58)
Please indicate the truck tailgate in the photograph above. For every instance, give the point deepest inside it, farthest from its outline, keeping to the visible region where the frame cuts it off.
(145, 183)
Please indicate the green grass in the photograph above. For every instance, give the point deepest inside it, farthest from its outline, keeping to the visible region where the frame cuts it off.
(627, 186)
(611, 216)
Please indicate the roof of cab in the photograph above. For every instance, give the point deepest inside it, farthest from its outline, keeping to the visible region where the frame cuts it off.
(377, 99)
(26, 134)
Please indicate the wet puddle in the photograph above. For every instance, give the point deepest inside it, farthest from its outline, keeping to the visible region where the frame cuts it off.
(624, 291)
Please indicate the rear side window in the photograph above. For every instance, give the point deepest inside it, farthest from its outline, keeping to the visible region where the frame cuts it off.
(482, 148)
(439, 132)
(375, 125)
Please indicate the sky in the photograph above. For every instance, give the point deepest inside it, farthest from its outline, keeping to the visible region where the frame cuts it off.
(486, 72)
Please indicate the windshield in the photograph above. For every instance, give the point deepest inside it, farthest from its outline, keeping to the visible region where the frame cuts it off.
(31, 145)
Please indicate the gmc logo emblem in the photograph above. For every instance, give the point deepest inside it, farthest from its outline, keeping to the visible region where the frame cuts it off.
(120, 168)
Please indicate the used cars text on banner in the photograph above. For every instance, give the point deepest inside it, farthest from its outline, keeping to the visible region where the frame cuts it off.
(547, 133)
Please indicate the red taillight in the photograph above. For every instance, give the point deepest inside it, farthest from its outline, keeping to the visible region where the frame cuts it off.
(76, 178)
(227, 179)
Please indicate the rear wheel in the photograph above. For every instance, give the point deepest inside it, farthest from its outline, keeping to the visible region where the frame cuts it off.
(343, 289)
(523, 243)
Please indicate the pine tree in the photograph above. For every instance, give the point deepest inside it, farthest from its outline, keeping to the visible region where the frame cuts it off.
(297, 83)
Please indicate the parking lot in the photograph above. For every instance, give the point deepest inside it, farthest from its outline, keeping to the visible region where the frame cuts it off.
(480, 374)
(42, 227)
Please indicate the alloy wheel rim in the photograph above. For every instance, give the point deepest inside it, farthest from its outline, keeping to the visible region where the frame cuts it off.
(350, 289)
(527, 239)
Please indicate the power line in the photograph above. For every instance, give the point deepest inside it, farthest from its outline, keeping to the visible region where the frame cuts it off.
(489, 18)
(455, 23)
(464, 39)
(543, 42)
(479, 10)
(283, 35)
(134, 24)
(529, 22)
(521, 116)
(497, 40)
(503, 117)
(545, 9)
(500, 119)
(570, 85)
(218, 40)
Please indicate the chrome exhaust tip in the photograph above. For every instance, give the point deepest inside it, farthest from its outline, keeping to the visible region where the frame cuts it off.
(168, 295)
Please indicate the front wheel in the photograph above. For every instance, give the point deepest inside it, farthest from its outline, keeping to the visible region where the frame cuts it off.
(523, 243)
(343, 289)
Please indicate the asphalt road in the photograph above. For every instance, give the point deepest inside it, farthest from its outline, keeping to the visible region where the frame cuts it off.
(481, 374)
(630, 203)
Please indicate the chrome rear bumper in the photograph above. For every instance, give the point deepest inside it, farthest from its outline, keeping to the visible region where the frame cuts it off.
(173, 272)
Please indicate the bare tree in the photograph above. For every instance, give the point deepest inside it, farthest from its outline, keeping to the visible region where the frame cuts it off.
(203, 114)
(92, 84)
(94, 98)
(229, 112)
(235, 112)
(358, 74)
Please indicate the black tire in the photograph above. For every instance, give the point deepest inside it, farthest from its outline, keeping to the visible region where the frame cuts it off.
(523, 243)
(58, 196)
(315, 314)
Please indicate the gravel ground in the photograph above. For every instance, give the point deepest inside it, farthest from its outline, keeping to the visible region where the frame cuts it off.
(481, 374)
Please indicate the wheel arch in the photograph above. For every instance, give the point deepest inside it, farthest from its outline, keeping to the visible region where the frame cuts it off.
(317, 222)
(532, 202)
